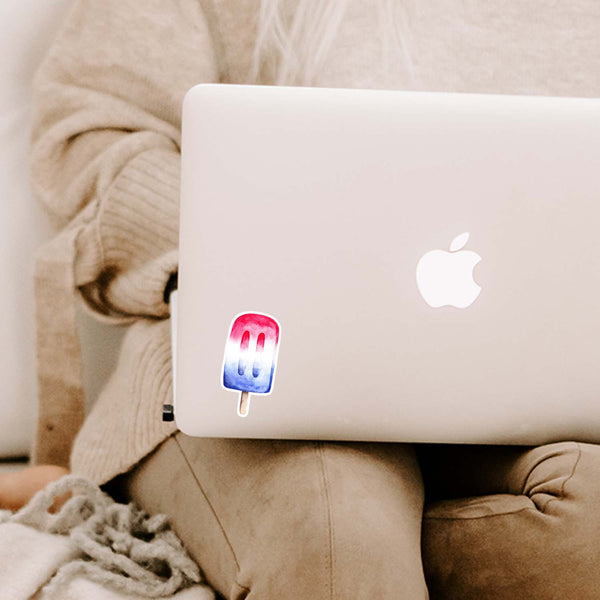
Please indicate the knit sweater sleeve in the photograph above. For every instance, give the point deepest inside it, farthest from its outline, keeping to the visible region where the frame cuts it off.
(106, 137)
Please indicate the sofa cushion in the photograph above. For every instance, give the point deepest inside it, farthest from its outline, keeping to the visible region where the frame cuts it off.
(27, 28)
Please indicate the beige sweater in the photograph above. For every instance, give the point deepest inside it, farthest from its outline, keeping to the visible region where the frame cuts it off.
(106, 163)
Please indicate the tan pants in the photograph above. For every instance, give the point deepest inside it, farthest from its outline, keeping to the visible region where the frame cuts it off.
(273, 520)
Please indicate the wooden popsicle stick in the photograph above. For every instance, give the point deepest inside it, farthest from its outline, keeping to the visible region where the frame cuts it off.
(244, 404)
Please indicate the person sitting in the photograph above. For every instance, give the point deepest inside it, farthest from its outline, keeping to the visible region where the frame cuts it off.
(272, 518)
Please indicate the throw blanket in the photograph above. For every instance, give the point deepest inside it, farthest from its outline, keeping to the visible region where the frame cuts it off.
(92, 548)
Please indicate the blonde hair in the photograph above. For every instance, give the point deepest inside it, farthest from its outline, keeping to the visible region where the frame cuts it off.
(294, 49)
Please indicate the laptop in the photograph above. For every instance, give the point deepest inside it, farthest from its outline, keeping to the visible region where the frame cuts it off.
(388, 265)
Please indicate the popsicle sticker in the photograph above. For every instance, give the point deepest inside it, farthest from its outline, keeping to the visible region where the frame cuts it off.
(250, 357)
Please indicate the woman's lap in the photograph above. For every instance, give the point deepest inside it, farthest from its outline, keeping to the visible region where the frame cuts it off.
(273, 519)
(516, 522)
(277, 519)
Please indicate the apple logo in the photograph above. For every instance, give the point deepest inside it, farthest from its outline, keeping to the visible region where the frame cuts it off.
(446, 278)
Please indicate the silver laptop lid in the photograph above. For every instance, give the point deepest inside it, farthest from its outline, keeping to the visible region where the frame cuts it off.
(373, 265)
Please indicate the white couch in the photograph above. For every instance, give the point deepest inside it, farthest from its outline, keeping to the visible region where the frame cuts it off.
(27, 28)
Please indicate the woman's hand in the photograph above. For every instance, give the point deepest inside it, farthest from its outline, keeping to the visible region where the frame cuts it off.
(17, 488)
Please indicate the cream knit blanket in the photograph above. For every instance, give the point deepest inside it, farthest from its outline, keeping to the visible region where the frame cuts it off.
(92, 548)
